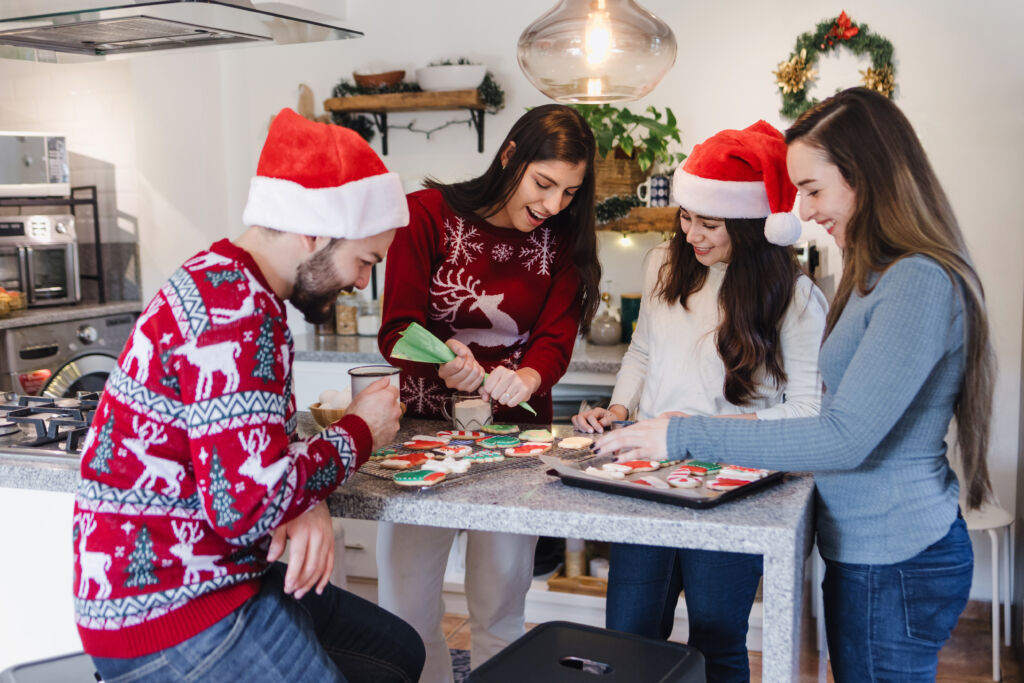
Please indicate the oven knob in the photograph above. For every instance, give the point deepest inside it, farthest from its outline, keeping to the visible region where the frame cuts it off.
(61, 229)
(87, 334)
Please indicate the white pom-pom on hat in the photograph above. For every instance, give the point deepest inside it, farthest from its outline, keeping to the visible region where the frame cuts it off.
(741, 174)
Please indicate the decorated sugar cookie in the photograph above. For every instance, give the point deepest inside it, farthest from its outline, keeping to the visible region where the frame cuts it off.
(485, 456)
(450, 451)
(700, 468)
(723, 484)
(383, 453)
(668, 463)
(404, 462)
(631, 466)
(744, 473)
(537, 435)
(425, 443)
(653, 482)
(461, 435)
(528, 448)
(574, 443)
(448, 466)
(500, 442)
(419, 478)
(682, 478)
(603, 474)
(500, 429)
(429, 437)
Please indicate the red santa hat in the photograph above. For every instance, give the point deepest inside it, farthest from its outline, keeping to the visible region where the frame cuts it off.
(323, 180)
(741, 174)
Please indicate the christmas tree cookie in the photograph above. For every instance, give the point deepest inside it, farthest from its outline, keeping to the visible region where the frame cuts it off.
(383, 453)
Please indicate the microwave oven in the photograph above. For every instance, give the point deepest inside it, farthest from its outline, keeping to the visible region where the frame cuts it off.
(33, 165)
(39, 257)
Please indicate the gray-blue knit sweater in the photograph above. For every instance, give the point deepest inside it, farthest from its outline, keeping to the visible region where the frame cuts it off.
(892, 367)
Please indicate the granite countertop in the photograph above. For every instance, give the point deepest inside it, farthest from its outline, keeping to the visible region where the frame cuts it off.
(55, 314)
(586, 357)
(776, 522)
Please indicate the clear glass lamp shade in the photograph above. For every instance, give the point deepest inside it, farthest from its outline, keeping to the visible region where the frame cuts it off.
(596, 51)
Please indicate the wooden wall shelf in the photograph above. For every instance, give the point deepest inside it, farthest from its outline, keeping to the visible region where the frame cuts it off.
(645, 219)
(378, 106)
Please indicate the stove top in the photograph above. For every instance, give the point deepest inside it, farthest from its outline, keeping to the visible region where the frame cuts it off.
(31, 425)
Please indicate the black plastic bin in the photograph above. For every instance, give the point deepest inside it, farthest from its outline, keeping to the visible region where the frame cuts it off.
(563, 652)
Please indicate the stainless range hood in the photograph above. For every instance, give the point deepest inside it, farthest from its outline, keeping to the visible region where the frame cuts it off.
(45, 30)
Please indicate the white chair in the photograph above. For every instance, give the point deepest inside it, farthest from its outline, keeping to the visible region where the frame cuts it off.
(991, 518)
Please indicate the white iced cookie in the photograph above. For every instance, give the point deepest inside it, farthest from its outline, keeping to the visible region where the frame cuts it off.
(332, 399)
(574, 443)
(448, 466)
(603, 474)
(682, 478)
(631, 466)
(653, 482)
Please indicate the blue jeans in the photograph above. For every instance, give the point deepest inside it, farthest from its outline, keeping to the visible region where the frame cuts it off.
(643, 589)
(887, 622)
(336, 636)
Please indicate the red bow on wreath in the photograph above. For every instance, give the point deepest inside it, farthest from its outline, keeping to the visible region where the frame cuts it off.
(842, 29)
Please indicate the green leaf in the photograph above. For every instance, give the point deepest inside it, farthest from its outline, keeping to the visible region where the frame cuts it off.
(627, 145)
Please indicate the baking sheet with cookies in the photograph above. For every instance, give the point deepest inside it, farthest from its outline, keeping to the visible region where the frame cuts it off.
(440, 459)
(689, 488)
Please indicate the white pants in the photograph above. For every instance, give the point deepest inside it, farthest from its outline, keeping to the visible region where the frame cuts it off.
(499, 568)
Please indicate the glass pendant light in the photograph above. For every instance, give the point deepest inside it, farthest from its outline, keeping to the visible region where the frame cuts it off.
(596, 51)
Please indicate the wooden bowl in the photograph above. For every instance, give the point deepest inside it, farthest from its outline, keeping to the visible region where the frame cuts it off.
(387, 78)
(325, 417)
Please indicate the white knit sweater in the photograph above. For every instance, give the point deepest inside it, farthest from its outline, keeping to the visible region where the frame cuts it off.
(673, 363)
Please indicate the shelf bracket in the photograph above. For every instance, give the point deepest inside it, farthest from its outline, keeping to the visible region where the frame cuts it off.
(380, 118)
(477, 117)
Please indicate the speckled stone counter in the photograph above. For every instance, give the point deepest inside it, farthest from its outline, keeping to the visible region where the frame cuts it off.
(586, 357)
(776, 523)
(42, 316)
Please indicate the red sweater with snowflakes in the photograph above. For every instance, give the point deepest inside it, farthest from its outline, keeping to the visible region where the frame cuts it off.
(192, 460)
(511, 297)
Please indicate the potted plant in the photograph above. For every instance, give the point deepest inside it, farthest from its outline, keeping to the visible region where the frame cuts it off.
(629, 144)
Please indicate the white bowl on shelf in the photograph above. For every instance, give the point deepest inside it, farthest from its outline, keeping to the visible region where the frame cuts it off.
(451, 76)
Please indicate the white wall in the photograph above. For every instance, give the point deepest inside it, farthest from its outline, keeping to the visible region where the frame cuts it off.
(199, 118)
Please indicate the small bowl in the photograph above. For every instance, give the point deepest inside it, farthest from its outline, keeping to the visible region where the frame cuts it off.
(378, 80)
(325, 417)
(451, 76)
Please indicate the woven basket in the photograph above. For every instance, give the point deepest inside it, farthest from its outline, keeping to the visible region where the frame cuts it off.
(616, 177)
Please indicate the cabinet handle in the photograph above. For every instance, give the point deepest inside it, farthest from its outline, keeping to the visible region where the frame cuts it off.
(355, 546)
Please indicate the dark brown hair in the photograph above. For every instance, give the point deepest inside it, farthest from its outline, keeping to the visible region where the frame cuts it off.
(552, 132)
(901, 210)
(755, 293)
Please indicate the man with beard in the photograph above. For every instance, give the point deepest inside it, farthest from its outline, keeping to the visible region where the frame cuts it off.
(193, 476)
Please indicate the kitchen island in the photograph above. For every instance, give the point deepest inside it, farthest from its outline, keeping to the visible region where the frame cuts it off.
(776, 523)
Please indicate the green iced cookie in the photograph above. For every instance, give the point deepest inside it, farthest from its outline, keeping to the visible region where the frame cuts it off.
(500, 442)
(500, 429)
(485, 456)
(419, 478)
(383, 453)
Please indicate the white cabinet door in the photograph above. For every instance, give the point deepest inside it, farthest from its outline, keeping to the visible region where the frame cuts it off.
(313, 377)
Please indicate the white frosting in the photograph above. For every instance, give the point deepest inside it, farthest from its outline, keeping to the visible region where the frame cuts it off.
(575, 442)
(603, 474)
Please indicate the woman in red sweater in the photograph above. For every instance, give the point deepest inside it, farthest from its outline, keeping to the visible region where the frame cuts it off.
(504, 268)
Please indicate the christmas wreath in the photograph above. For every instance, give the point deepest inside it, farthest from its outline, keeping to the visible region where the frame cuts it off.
(793, 75)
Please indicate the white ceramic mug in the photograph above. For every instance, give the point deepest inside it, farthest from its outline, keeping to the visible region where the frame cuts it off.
(365, 375)
(654, 191)
(468, 412)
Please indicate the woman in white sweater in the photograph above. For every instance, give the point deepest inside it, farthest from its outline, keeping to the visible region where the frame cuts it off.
(728, 327)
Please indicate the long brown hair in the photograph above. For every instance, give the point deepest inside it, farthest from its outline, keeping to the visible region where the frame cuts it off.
(552, 132)
(901, 210)
(755, 293)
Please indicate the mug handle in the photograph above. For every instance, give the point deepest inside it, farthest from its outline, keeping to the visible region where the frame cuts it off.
(444, 410)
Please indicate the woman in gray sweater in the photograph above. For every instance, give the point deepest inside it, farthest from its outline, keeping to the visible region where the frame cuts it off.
(906, 349)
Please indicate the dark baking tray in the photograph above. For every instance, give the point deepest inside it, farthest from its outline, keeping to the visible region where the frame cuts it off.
(571, 475)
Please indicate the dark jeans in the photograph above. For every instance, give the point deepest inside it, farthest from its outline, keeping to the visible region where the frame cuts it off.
(888, 622)
(643, 589)
(336, 636)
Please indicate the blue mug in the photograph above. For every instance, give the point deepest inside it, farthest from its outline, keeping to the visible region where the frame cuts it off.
(655, 191)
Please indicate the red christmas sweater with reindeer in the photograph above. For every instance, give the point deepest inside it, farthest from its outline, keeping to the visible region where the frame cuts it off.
(193, 459)
(510, 296)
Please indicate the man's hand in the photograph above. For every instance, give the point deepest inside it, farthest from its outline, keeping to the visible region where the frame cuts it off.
(378, 406)
(463, 373)
(311, 554)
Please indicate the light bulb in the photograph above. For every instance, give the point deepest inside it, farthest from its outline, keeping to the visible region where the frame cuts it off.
(625, 241)
(595, 51)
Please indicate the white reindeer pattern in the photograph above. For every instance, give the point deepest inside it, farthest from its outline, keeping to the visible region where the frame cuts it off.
(504, 330)
(207, 260)
(94, 565)
(188, 534)
(155, 467)
(254, 444)
(211, 359)
(140, 349)
(222, 316)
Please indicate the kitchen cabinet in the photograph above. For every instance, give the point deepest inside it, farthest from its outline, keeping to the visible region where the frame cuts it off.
(645, 219)
(379, 106)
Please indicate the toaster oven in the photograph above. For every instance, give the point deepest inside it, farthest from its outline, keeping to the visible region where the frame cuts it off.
(39, 257)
